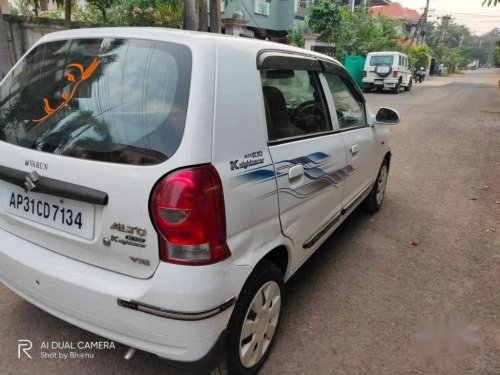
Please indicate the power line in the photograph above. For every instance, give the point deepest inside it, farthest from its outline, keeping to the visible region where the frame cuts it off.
(466, 13)
(472, 18)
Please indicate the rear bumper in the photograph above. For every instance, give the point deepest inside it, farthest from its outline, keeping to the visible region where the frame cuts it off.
(86, 296)
(385, 82)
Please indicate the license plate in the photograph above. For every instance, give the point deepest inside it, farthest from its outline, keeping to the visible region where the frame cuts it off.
(60, 213)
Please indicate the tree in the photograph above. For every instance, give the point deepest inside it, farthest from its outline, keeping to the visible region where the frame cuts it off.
(190, 14)
(491, 2)
(101, 5)
(296, 37)
(5, 62)
(60, 3)
(215, 22)
(419, 56)
(203, 22)
(357, 32)
(323, 17)
(67, 13)
(497, 53)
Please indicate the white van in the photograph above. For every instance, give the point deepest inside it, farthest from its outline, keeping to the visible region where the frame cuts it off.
(387, 70)
(158, 187)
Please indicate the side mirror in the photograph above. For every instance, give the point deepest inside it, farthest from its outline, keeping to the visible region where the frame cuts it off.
(387, 116)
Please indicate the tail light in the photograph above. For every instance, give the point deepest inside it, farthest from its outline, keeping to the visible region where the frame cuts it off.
(187, 207)
(395, 73)
(364, 73)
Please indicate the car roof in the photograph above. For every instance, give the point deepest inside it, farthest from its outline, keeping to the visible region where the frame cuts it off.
(179, 36)
(385, 53)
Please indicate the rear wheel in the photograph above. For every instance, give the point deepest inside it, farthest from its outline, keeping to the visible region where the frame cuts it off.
(397, 88)
(254, 322)
(373, 201)
(410, 84)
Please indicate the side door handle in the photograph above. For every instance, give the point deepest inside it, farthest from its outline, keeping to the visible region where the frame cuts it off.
(295, 172)
(354, 150)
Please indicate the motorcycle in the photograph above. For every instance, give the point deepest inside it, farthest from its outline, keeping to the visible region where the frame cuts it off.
(420, 76)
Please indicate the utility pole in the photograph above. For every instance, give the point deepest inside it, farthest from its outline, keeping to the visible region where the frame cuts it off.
(444, 24)
(419, 33)
(424, 27)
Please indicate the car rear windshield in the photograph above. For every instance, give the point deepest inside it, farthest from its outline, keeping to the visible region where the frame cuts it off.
(381, 60)
(114, 100)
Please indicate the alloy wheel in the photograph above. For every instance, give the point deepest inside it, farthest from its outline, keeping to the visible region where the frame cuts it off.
(381, 184)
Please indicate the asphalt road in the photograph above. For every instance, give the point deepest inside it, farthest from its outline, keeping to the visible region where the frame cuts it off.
(357, 304)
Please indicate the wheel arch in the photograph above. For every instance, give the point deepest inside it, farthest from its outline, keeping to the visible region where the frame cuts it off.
(388, 157)
(280, 257)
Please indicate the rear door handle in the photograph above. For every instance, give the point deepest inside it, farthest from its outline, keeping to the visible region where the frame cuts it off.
(354, 150)
(295, 172)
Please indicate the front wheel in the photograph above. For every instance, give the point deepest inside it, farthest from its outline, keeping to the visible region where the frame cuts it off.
(254, 322)
(373, 201)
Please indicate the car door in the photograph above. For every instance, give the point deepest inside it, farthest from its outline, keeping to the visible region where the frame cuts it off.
(308, 155)
(358, 137)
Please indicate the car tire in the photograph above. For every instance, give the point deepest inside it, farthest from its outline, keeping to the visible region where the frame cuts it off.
(410, 84)
(374, 200)
(367, 89)
(265, 280)
(397, 88)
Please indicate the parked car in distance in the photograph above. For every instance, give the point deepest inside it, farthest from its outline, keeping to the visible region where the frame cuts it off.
(159, 187)
(387, 70)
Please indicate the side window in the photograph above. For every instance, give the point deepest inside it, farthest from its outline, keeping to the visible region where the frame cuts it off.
(350, 112)
(295, 104)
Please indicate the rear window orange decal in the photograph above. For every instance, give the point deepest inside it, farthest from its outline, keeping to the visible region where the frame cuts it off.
(84, 75)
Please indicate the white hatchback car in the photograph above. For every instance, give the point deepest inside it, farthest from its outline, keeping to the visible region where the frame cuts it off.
(387, 70)
(159, 186)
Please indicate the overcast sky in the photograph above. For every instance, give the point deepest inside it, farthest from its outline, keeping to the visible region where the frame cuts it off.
(466, 12)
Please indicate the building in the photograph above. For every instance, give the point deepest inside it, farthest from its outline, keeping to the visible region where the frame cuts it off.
(270, 19)
(363, 2)
(396, 11)
(4, 5)
(9, 5)
(380, 2)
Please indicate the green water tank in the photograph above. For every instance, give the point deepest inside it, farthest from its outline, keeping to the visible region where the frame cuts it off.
(355, 65)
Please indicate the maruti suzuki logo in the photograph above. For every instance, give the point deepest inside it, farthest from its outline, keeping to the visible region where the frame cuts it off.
(36, 164)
